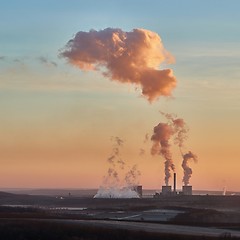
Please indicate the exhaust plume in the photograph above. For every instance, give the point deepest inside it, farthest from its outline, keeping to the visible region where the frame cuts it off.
(132, 176)
(127, 57)
(162, 133)
(180, 131)
(115, 161)
(177, 129)
(180, 128)
(118, 183)
(187, 170)
(142, 150)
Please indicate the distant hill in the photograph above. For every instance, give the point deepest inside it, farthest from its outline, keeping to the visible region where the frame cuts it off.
(56, 192)
(6, 194)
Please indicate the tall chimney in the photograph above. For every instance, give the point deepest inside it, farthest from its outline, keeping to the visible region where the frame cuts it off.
(174, 183)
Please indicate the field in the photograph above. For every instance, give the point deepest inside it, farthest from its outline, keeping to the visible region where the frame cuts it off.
(176, 217)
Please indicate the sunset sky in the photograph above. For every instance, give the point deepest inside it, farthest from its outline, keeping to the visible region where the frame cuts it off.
(57, 120)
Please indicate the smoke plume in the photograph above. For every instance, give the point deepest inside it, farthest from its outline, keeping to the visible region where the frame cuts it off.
(180, 131)
(180, 128)
(115, 162)
(142, 150)
(162, 134)
(127, 57)
(120, 179)
(187, 170)
(132, 176)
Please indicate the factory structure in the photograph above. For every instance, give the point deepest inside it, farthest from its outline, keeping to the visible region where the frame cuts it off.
(169, 191)
(166, 190)
(138, 190)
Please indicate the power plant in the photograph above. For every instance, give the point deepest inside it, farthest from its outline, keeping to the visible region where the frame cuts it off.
(168, 191)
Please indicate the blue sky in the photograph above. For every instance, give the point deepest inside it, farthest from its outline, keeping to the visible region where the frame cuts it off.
(205, 30)
(29, 27)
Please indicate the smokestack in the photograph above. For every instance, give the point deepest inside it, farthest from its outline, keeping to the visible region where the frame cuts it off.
(174, 182)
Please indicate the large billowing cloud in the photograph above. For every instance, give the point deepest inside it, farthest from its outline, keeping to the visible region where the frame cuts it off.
(128, 57)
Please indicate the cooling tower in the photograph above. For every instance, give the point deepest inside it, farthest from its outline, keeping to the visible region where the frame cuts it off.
(187, 190)
(166, 190)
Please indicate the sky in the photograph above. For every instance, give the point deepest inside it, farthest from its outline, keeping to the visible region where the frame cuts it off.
(57, 120)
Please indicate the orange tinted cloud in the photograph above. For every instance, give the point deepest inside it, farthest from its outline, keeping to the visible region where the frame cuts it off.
(128, 57)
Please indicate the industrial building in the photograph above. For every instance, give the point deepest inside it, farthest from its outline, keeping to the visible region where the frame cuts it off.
(187, 190)
(168, 191)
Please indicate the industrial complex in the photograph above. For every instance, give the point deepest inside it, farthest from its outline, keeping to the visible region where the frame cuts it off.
(169, 191)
